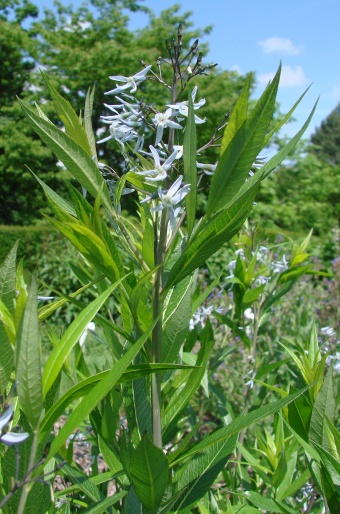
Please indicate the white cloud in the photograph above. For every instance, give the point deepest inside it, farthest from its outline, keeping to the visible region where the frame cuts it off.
(290, 77)
(281, 45)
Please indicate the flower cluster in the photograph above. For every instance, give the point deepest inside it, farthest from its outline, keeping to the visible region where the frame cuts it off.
(131, 120)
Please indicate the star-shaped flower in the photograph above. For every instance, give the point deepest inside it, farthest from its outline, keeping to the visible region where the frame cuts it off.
(162, 120)
(129, 82)
(170, 199)
(160, 170)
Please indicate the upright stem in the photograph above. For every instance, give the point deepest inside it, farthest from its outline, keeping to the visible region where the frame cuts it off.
(157, 334)
(26, 488)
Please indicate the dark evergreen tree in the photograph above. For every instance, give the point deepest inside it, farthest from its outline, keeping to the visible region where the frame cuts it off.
(326, 138)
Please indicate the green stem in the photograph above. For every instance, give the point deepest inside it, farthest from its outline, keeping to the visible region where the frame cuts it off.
(27, 487)
(157, 334)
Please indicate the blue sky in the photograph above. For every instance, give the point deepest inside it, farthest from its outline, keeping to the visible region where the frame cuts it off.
(255, 35)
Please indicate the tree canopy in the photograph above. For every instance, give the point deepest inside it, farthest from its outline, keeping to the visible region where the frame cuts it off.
(326, 138)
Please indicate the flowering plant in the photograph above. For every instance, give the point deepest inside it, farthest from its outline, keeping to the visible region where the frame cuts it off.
(141, 276)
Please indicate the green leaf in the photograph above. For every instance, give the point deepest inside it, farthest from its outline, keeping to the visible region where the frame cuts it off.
(211, 236)
(176, 319)
(199, 474)
(92, 247)
(88, 121)
(235, 163)
(238, 116)
(92, 399)
(324, 405)
(296, 485)
(54, 199)
(82, 481)
(27, 357)
(70, 338)
(8, 279)
(85, 386)
(181, 398)
(47, 310)
(190, 170)
(268, 504)
(284, 119)
(282, 154)
(71, 154)
(101, 506)
(239, 423)
(69, 118)
(331, 464)
(149, 471)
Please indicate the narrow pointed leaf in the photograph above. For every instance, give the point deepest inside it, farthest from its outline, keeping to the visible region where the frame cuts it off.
(200, 473)
(69, 118)
(149, 470)
(70, 338)
(284, 152)
(239, 423)
(88, 121)
(92, 399)
(324, 405)
(28, 366)
(71, 154)
(213, 234)
(285, 118)
(238, 116)
(176, 319)
(235, 163)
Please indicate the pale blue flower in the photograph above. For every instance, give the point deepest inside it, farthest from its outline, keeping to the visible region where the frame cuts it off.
(171, 198)
(129, 82)
(182, 108)
(208, 169)
(10, 438)
(162, 121)
(160, 170)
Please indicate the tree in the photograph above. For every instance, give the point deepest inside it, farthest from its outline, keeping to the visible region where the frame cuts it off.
(76, 48)
(326, 139)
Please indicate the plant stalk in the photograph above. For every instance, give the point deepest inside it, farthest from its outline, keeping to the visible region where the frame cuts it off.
(26, 488)
(157, 334)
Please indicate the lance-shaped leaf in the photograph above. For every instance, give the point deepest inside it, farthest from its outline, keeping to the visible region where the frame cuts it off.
(238, 116)
(238, 424)
(71, 337)
(181, 398)
(190, 170)
(212, 235)
(95, 396)
(88, 121)
(235, 163)
(324, 405)
(199, 474)
(7, 295)
(71, 154)
(176, 319)
(27, 359)
(85, 386)
(68, 116)
(91, 247)
(149, 471)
